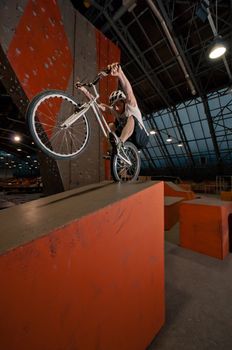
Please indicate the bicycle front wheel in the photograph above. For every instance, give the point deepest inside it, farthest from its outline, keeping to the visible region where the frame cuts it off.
(120, 170)
(49, 115)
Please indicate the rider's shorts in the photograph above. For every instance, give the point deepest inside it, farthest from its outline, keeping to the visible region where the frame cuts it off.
(139, 137)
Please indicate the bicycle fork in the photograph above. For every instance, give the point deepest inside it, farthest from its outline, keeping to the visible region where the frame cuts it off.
(124, 156)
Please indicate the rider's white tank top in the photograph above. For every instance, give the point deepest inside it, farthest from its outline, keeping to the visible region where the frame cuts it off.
(130, 110)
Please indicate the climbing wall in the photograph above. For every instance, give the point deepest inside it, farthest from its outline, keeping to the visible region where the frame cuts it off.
(48, 45)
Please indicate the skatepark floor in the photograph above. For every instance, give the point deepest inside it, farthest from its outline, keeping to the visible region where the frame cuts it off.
(198, 300)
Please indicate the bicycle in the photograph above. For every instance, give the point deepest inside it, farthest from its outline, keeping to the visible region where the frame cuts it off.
(60, 128)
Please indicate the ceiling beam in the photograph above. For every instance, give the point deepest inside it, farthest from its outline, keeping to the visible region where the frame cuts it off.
(183, 136)
(167, 28)
(211, 127)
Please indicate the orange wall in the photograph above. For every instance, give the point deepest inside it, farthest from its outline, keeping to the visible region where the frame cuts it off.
(39, 52)
(97, 283)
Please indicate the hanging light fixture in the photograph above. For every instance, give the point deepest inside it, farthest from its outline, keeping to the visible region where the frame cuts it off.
(217, 48)
(180, 144)
(17, 138)
(153, 132)
(169, 139)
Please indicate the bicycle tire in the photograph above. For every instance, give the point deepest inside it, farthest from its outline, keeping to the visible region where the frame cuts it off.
(45, 115)
(122, 172)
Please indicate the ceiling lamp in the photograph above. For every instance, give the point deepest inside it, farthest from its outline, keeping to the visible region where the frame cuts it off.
(17, 138)
(152, 132)
(218, 48)
(169, 139)
(180, 144)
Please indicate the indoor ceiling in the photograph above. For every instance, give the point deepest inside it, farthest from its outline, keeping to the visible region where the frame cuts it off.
(148, 56)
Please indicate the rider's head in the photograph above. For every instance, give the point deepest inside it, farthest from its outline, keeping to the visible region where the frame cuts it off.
(117, 101)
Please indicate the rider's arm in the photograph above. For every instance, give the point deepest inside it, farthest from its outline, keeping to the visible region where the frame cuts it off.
(102, 106)
(106, 108)
(116, 70)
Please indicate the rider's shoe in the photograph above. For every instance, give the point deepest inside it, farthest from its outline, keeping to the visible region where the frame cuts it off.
(119, 145)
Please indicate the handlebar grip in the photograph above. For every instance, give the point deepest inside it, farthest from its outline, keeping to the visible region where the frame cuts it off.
(79, 84)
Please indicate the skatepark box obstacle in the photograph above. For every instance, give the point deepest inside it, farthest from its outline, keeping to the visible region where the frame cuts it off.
(84, 269)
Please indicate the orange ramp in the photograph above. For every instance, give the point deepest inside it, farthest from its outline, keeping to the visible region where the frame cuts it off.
(173, 190)
(171, 211)
(226, 196)
(83, 269)
(204, 226)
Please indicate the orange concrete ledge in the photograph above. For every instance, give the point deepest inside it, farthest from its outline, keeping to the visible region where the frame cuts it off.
(173, 190)
(204, 226)
(171, 211)
(83, 270)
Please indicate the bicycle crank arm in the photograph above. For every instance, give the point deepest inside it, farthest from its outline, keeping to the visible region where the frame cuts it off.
(126, 160)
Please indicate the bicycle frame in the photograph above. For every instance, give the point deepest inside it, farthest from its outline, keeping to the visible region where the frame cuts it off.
(100, 118)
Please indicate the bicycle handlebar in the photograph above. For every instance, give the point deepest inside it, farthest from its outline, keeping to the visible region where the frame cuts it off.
(101, 74)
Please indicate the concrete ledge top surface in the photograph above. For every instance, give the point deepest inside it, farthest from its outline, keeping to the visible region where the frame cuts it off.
(26, 222)
(208, 201)
(172, 200)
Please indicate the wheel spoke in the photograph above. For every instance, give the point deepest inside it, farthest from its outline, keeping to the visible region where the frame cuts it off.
(46, 115)
(122, 170)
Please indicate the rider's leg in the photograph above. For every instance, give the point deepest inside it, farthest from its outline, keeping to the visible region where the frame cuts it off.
(139, 137)
(112, 127)
(128, 129)
(110, 139)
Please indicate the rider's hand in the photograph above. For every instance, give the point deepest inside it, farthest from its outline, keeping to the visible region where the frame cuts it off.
(114, 68)
(119, 145)
(77, 84)
(103, 107)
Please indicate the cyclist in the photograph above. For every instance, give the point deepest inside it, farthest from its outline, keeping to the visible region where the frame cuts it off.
(128, 124)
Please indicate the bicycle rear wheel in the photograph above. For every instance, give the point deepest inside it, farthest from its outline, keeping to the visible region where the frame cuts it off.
(46, 115)
(120, 170)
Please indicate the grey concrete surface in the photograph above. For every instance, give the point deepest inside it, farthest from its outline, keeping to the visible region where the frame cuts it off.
(39, 217)
(198, 300)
